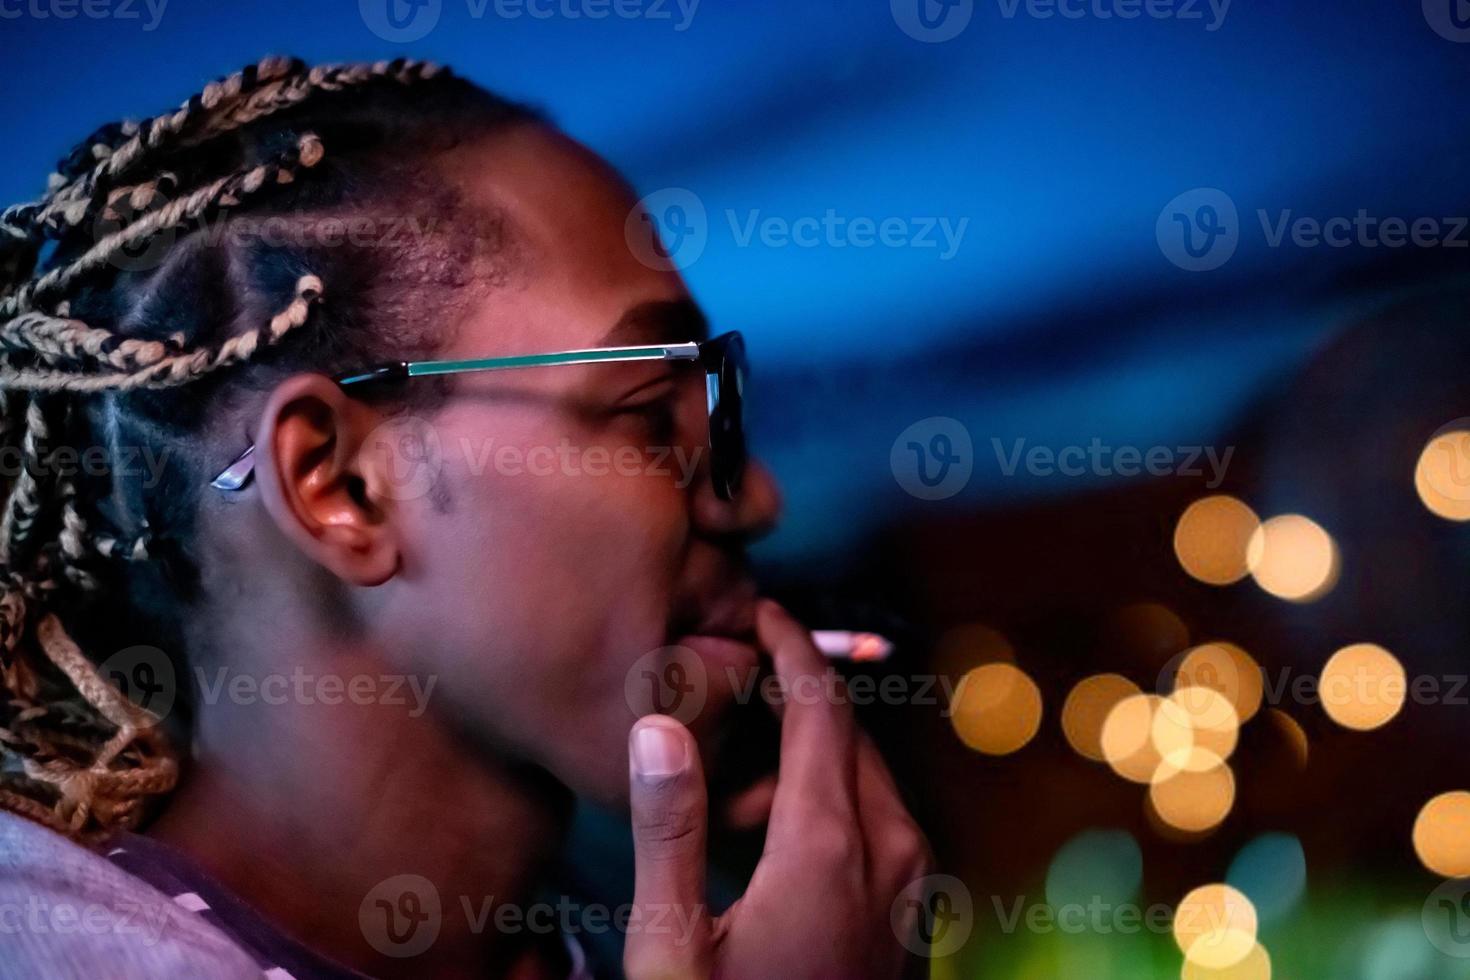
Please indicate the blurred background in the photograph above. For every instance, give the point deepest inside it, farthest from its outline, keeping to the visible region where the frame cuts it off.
(1113, 357)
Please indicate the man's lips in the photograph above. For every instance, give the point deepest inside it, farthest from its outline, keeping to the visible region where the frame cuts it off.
(730, 614)
(720, 629)
(720, 652)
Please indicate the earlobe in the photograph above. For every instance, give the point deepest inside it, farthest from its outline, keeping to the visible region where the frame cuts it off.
(309, 468)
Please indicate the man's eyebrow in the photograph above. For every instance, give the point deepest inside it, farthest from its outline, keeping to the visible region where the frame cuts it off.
(674, 321)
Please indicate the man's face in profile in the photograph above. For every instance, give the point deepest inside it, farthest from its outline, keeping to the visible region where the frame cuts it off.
(561, 532)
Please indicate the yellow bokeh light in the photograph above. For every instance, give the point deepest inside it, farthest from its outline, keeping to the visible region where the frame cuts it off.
(1293, 558)
(1087, 708)
(997, 709)
(1127, 738)
(1194, 724)
(1442, 835)
(1211, 539)
(1193, 800)
(1255, 966)
(1215, 927)
(1442, 476)
(1226, 668)
(1363, 687)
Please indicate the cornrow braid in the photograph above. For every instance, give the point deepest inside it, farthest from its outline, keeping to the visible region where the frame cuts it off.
(224, 192)
(59, 340)
(323, 78)
(78, 542)
(227, 105)
(73, 190)
(181, 368)
(98, 146)
(26, 500)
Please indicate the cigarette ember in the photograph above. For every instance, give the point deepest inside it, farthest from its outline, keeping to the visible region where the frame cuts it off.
(852, 645)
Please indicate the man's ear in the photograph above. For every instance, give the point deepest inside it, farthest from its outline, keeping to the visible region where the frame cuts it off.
(308, 465)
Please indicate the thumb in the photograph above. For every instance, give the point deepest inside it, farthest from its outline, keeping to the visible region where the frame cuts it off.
(668, 933)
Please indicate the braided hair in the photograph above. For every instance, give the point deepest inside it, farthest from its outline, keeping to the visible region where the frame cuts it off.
(140, 307)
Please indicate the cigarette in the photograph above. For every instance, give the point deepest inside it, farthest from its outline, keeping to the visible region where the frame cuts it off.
(852, 645)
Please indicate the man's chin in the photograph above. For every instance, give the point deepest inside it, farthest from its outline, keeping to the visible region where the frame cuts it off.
(737, 731)
(725, 677)
(712, 685)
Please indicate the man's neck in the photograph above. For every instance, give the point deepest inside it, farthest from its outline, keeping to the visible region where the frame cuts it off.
(304, 808)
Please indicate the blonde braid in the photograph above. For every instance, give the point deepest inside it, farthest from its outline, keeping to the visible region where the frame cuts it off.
(32, 809)
(283, 94)
(223, 192)
(12, 622)
(254, 93)
(73, 540)
(25, 498)
(99, 786)
(181, 368)
(69, 200)
(61, 341)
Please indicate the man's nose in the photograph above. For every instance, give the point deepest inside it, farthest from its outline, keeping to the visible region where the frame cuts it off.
(753, 513)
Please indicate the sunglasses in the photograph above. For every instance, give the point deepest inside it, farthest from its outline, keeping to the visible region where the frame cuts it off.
(723, 360)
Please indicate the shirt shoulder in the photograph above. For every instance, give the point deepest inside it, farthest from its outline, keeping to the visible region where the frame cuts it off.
(67, 911)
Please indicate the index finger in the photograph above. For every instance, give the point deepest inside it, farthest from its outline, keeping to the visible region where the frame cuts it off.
(818, 735)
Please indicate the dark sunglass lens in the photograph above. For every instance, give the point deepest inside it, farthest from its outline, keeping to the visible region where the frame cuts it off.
(732, 385)
(727, 416)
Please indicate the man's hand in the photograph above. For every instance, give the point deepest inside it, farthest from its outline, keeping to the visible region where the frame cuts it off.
(840, 847)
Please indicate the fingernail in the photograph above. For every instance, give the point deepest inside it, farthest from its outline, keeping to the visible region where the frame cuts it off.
(658, 752)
